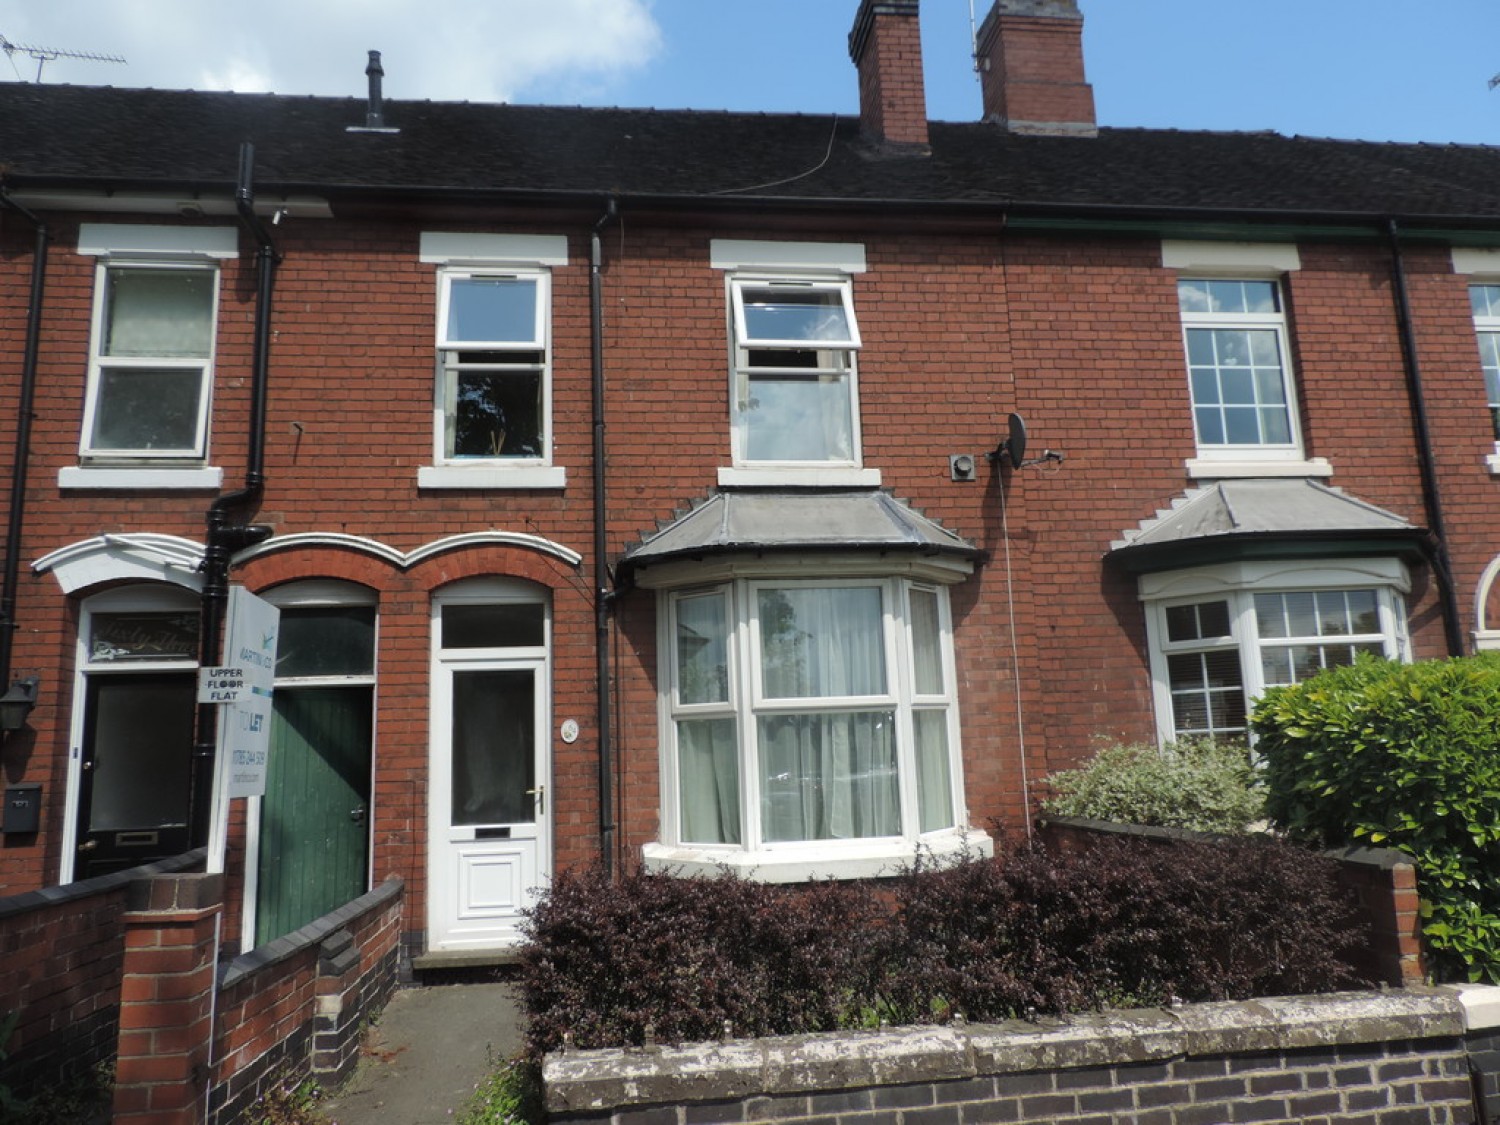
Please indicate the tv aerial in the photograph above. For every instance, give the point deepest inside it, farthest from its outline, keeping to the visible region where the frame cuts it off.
(44, 55)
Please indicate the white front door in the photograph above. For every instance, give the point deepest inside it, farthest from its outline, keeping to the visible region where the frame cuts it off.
(488, 824)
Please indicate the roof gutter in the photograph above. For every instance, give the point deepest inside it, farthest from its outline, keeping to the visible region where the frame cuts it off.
(16, 518)
(1421, 434)
(1019, 210)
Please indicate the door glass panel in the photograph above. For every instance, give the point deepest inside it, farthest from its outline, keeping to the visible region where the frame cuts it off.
(494, 746)
(124, 637)
(494, 625)
(332, 641)
(142, 741)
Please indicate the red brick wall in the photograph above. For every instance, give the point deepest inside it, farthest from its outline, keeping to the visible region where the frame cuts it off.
(60, 963)
(296, 1005)
(1033, 72)
(892, 96)
(1080, 333)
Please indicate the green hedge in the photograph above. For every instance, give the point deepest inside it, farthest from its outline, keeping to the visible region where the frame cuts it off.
(1403, 756)
(1198, 784)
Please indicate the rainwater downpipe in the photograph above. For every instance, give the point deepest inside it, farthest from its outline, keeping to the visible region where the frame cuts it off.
(17, 511)
(1438, 550)
(603, 595)
(224, 535)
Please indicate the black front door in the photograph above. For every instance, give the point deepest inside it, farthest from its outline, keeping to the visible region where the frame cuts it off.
(136, 757)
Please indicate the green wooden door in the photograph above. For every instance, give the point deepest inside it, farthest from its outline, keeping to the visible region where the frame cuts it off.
(314, 830)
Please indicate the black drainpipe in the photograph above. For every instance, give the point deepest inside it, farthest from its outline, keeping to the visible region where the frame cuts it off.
(224, 535)
(17, 517)
(603, 596)
(1438, 549)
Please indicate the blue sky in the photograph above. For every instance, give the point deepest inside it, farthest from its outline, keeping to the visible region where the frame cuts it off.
(1375, 70)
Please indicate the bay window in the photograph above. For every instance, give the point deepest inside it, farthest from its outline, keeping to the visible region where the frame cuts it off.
(809, 715)
(1221, 635)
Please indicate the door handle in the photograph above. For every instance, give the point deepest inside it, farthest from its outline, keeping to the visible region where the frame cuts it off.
(540, 793)
(357, 815)
(88, 845)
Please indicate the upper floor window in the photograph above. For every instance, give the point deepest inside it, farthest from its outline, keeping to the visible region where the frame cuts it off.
(1238, 368)
(795, 394)
(151, 361)
(492, 409)
(794, 340)
(1485, 301)
(493, 352)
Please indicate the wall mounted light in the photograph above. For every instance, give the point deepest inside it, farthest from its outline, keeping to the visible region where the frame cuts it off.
(17, 703)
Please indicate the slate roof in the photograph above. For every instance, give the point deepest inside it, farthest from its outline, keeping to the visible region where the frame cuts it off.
(128, 139)
(1267, 515)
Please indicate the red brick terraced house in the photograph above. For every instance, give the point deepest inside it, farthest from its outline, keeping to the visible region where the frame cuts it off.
(654, 487)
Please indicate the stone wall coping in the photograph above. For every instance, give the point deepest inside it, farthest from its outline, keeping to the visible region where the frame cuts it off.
(589, 1081)
(1481, 1005)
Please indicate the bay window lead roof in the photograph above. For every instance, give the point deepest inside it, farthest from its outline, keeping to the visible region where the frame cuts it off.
(867, 520)
(1263, 519)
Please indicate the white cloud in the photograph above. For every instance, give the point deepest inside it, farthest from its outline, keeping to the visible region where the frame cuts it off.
(479, 50)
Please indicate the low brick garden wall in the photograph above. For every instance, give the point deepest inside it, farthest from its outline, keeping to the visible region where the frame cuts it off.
(61, 951)
(1383, 1058)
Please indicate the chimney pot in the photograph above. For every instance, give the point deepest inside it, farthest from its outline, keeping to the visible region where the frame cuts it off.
(886, 45)
(1030, 56)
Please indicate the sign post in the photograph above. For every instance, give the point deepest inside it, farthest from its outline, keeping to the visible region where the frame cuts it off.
(241, 688)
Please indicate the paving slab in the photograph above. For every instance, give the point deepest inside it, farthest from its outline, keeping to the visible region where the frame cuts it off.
(423, 1058)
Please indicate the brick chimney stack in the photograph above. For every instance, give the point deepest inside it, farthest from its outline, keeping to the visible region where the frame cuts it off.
(1030, 55)
(886, 45)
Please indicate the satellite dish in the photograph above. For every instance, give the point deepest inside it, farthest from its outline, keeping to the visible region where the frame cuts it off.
(1013, 447)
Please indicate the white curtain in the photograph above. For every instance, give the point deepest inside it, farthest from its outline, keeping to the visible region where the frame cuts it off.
(709, 781)
(826, 774)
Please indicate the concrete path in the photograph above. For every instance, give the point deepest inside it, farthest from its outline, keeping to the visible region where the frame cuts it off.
(425, 1055)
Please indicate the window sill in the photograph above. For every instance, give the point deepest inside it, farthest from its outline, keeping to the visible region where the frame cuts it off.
(1207, 468)
(835, 860)
(492, 476)
(114, 478)
(804, 477)
(1492, 461)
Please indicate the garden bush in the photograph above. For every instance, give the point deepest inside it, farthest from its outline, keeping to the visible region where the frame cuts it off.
(1404, 756)
(680, 958)
(1120, 923)
(1199, 784)
(1124, 923)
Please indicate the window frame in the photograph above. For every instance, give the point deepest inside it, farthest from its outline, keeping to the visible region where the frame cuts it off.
(741, 369)
(1238, 584)
(1487, 326)
(1277, 323)
(448, 368)
(746, 702)
(99, 363)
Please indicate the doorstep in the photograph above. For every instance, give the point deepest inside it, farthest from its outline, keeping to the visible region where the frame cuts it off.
(466, 959)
